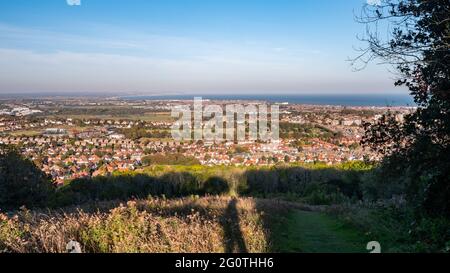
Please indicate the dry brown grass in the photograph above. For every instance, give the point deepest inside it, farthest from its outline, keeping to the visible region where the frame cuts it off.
(188, 225)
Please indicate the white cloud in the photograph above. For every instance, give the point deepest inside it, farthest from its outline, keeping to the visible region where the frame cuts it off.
(73, 2)
(374, 2)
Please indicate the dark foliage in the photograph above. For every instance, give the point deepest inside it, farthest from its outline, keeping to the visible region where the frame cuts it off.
(323, 186)
(124, 187)
(216, 185)
(21, 182)
(416, 150)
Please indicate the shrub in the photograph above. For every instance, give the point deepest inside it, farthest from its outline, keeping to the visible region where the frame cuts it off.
(216, 185)
(21, 182)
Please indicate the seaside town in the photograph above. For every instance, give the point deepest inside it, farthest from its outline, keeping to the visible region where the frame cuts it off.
(76, 138)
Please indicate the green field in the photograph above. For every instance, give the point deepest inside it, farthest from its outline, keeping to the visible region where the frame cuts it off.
(149, 117)
(27, 133)
(315, 232)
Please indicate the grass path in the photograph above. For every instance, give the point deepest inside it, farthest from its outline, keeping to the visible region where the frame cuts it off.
(315, 232)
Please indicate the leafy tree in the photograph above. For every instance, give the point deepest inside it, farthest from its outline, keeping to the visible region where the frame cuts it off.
(21, 182)
(416, 151)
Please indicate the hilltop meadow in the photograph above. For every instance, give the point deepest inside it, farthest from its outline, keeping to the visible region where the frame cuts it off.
(283, 208)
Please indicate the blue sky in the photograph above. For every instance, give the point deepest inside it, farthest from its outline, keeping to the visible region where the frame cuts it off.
(183, 46)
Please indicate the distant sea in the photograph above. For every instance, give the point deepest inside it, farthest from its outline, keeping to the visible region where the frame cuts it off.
(379, 100)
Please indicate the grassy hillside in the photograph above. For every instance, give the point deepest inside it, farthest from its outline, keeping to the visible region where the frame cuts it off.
(192, 225)
(284, 208)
